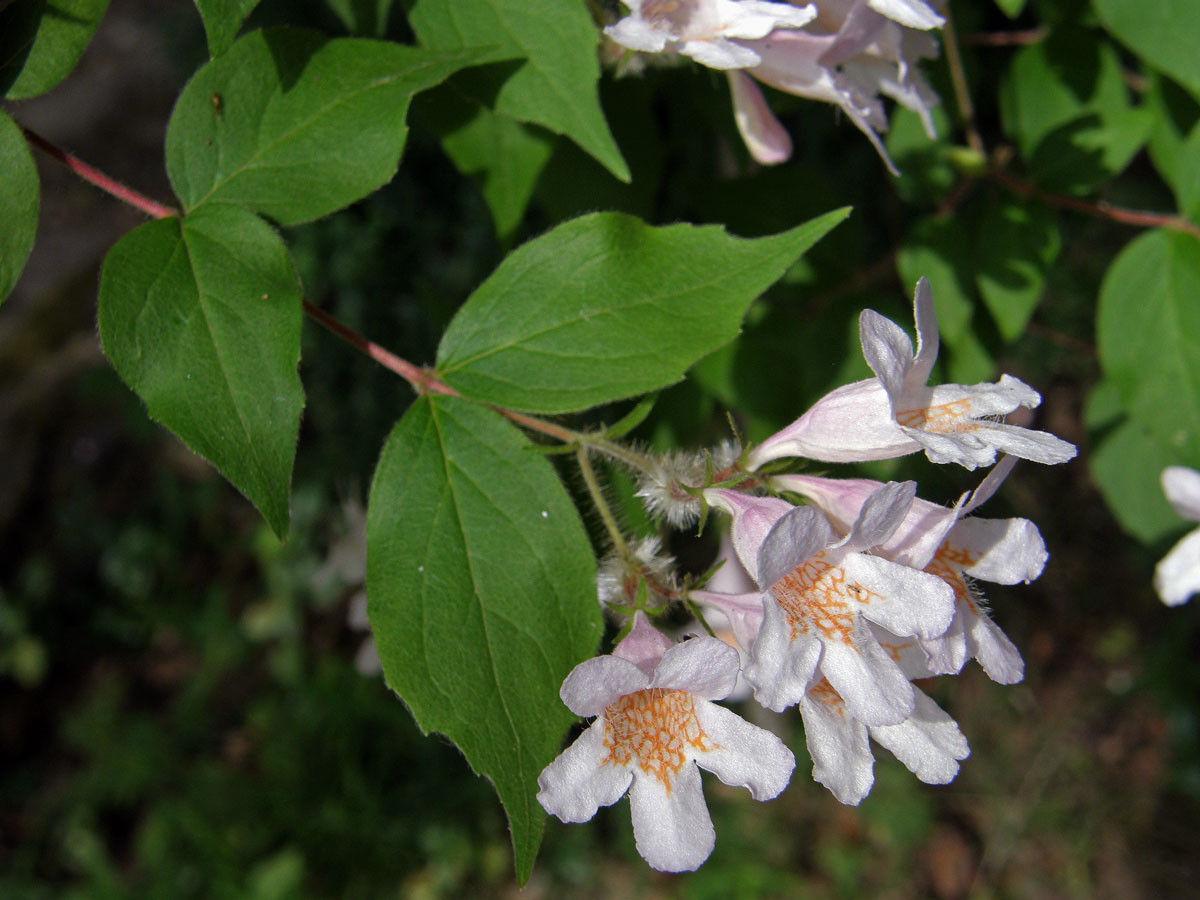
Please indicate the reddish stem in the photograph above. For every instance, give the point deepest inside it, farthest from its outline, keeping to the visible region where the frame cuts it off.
(1006, 38)
(99, 179)
(1104, 210)
(421, 380)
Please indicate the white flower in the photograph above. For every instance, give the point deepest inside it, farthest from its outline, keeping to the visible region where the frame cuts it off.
(897, 412)
(655, 723)
(942, 542)
(820, 593)
(1177, 576)
(705, 29)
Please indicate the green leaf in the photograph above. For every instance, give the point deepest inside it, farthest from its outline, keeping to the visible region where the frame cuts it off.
(222, 20)
(506, 157)
(606, 307)
(1176, 114)
(1164, 33)
(1011, 8)
(18, 203)
(201, 317)
(41, 41)
(481, 593)
(365, 17)
(1148, 323)
(1187, 176)
(1066, 103)
(294, 125)
(1126, 464)
(1017, 242)
(556, 86)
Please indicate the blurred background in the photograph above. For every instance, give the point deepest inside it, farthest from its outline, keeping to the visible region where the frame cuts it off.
(189, 708)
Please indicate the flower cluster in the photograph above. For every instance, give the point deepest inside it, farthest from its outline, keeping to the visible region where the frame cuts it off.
(846, 52)
(837, 605)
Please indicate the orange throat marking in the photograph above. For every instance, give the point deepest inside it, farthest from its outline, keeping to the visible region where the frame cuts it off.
(948, 564)
(949, 418)
(656, 728)
(818, 595)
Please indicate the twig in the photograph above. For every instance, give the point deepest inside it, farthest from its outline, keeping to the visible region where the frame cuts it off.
(1006, 38)
(958, 79)
(99, 179)
(1141, 218)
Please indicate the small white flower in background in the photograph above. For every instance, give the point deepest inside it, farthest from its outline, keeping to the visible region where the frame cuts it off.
(820, 593)
(1177, 576)
(705, 29)
(942, 542)
(655, 723)
(897, 413)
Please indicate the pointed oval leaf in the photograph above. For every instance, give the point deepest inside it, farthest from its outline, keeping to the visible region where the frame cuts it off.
(556, 87)
(481, 593)
(506, 158)
(41, 41)
(222, 19)
(18, 203)
(294, 125)
(1147, 324)
(1164, 33)
(606, 307)
(202, 317)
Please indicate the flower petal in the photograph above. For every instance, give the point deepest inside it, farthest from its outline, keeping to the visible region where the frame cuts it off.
(903, 600)
(928, 337)
(948, 652)
(718, 53)
(579, 781)
(875, 690)
(781, 669)
(1005, 551)
(838, 745)
(928, 742)
(644, 646)
(638, 34)
(910, 13)
(746, 755)
(998, 656)
(882, 513)
(599, 682)
(1177, 576)
(887, 350)
(671, 826)
(744, 611)
(764, 136)
(852, 423)
(704, 666)
(791, 542)
(753, 518)
(1182, 488)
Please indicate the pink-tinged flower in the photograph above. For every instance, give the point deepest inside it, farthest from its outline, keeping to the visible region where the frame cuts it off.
(705, 29)
(655, 723)
(897, 413)
(1177, 576)
(819, 595)
(958, 550)
(852, 54)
